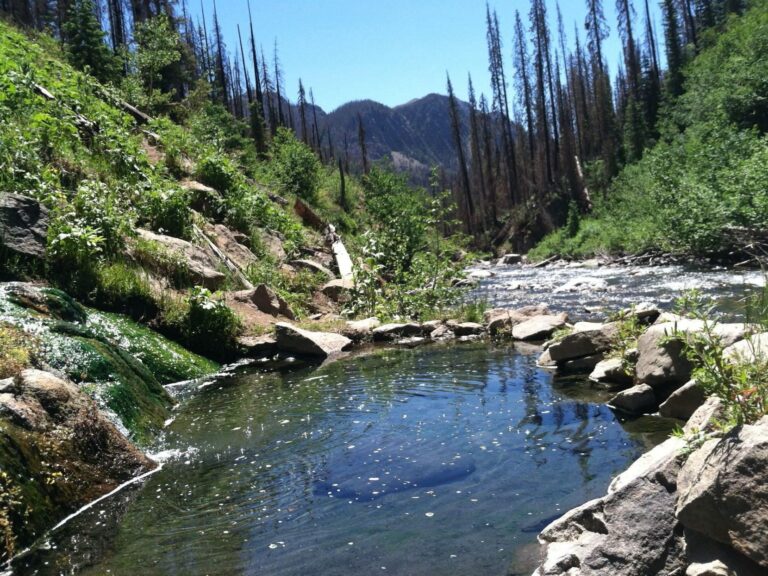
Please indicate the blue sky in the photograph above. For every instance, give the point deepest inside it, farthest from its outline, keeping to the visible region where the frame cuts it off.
(390, 51)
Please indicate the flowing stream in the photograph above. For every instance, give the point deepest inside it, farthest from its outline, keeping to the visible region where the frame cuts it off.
(444, 460)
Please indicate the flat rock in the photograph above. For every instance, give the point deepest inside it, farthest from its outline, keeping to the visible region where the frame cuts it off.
(442, 332)
(683, 402)
(468, 329)
(257, 346)
(394, 331)
(339, 290)
(304, 342)
(499, 318)
(723, 490)
(23, 225)
(705, 416)
(639, 399)
(583, 365)
(227, 241)
(266, 300)
(538, 327)
(361, 329)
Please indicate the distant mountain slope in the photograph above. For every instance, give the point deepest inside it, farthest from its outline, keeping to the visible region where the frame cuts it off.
(415, 136)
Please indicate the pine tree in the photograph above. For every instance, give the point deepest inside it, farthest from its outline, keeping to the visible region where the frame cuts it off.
(86, 48)
(463, 172)
(303, 113)
(674, 76)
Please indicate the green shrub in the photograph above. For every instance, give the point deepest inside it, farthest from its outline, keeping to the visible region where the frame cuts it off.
(124, 288)
(16, 350)
(294, 166)
(211, 328)
(167, 211)
(218, 172)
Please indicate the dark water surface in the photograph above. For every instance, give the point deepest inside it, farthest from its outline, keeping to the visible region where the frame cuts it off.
(437, 461)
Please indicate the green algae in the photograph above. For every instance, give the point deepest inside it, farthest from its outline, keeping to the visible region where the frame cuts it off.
(121, 364)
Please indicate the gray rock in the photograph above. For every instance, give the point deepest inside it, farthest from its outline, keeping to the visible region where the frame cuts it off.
(703, 419)
(227, 241)
(23, 225)
(538, 327)
(750, 351)
(320, 344)
(499, 318)
(200, 265)
(661, 359)
(683, 402)
(639, 399)
(314, 267)
(412, 342)
(713, 568)
(585, 364)
(468, 329)
(391, 332)
(629, 532)
(511, 259)
(480, 274)
(257, 346)
(339, 290)
(361, 329)
(266, 300)
(545, 360)
(645, 312)
(611, 371)
(723, 490)
(584, 343)
(442, 332)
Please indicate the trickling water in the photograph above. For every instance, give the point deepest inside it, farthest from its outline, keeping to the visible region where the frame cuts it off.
(436, 461)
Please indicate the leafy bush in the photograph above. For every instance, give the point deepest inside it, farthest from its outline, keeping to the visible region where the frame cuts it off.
(218, 172)
(211, 328)
(167, 211)
(123, 288)
(294, 166)
(16, 350)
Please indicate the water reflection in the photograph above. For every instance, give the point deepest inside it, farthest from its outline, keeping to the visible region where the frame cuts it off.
(432, 461)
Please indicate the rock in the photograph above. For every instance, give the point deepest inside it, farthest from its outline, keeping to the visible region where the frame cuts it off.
(499, 318)
(62, 454)
(545, 360)
(583, 285)
(23, 225)
(258, 346)
(703, 419)
(314, 267)
(629, 532)
(197, 187)
(683, 402)
(723, 491)
(442, 332)
(587, 326)
(320, 344)
(645, 312)
(585, 364)
(538, 327)
(511, 259)
(750, 351)
(639, 399)
(359, 330)
(343, 261)
(666, 317)
(200, 265)
(225, 240)
(273, 245)
(584, 343)
(480, 274)
(611, 371)
(714, 568)
(339, 290)
(468, 329)
(391, 332)
(266, 300)
(412, 342)
(661, 359)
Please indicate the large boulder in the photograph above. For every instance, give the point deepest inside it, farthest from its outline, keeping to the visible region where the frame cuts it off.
(59, 452)
(639, 399)
(724, 491)
(684, 401)
(200, 265)
(303, 342)
(661, 358)
(585, 342)
(359, 330)
(629, 532)
(257, 346)
(705, 417)
(227, 241)
(466, 329)
(23, 225)
(266, 300)
(539, 327)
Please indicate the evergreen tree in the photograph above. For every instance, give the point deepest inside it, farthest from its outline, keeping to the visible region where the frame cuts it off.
(86, 48)
(674, 76)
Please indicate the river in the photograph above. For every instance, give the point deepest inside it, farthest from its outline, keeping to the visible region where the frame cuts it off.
(443, 460)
